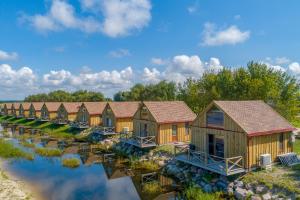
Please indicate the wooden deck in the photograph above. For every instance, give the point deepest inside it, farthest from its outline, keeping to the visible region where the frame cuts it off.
(138, 141)
(105, 131)
(79, 125)
(223, 166)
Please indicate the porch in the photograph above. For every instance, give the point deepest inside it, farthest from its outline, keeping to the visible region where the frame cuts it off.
(80, 125)
(138, 141)
(105, 131)
(60, 121)
(219, 165)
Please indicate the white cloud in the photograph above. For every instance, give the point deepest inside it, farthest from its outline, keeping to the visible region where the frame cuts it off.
(216, 37)
(122, 17)
(282, 60)
(151, 75)
(119, 53)
(8, 56)
(294, 68)
(158, 61)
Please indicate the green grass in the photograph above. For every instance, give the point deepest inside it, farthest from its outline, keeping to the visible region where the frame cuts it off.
(195, 193)
(152, 187)
(71, 162)
(27, 144)
(143, 165)
(165, 148)
(297, 146)
(8, 150)
(47, 152)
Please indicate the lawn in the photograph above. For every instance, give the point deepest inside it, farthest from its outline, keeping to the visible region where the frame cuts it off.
(297, 146)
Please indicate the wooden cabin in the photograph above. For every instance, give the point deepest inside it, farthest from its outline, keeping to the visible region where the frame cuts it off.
(24, 109)
(89, 115)
(15, 109)
(7, 109)
(234, 135)
(49, 111)
(118, 117)
(35, 110)
(160, 123)
(67, 112)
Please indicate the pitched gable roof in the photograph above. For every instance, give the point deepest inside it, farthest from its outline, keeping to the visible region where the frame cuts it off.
(170, 111)
(255, 117)
(16, 106)
(124, 109)
(95, 108)
(8, 105)
(26, 105)
(71, 107)
(37, 105)
(52, 106)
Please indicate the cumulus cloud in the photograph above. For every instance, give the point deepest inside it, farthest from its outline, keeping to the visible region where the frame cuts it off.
(158, 61)
(282, 60)
(8, 56)
(294, 68)
(119, 53)
(151, 75)
(230, 36)
(120, 17)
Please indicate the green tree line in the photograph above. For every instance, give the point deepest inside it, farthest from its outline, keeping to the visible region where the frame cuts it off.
(254, 82)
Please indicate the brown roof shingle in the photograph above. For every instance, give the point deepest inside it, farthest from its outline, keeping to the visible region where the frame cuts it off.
(95, 108)
(170, 111)
(124, 109)
(16, 106)
(71, 107)
(52, 106)
(26, 105)
(37, 105)
(8, 105)
(255, 117)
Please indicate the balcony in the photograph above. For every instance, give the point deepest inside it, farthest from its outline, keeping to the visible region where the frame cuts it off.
(105, 131)
(60, 121)
(138, 141)
(44, 119)
(79, 125)
(223, 166)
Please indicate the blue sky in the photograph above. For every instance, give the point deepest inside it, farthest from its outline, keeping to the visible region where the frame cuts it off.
(108, 45)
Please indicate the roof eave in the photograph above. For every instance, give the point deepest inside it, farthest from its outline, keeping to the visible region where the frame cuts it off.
(253, 134)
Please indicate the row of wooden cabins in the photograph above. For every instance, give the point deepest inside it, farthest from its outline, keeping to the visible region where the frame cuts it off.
(228, 137)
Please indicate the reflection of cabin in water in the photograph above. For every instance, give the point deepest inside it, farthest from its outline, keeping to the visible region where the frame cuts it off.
(7, 109)
(117, 117)
(24, 110)
(49, 111)
(35, 110)
(89, 115)
(161, 122)
(229, 137)
(15, 109)
(67, 112)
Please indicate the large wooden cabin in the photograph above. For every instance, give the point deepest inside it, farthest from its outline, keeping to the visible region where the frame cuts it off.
(35, 110)
(24, 110)
(117, 117)
(67, 112)
(7, 109)
(89, 115)
(15, 109)
(161, 122)
(229, 137)
(49, 111)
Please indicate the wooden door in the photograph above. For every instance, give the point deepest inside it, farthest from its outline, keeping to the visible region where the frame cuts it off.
(211, 144)
(174, 133)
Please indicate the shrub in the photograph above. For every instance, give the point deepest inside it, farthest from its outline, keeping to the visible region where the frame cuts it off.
(27, 144)
(195, 193)
(152, 187)
(71, 162)
(135, 163)
(8, 150)
(47, 152)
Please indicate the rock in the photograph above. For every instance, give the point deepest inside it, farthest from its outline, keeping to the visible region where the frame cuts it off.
(238, 184)
(161, 163)
(207, 188)
(267, 196)
(255, 197)
(248, 186)
(261, 189)
(240, 193)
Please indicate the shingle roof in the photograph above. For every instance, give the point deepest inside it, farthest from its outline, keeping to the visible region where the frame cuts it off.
(170, 111)
(72, 107)
(8, 105)
(255, 117)
(52, 106)
(124, 109)
(95, 108)
(37, 105)
(16, 106)
(26, 105)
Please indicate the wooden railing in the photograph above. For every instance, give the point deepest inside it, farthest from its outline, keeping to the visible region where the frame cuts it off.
(141, 141)
(105, 130)
(225, 165)
(78, 124)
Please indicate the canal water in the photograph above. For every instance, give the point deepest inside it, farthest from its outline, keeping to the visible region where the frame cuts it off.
(95, 178)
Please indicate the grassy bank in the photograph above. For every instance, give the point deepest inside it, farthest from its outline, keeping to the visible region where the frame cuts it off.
(135, 163)
(47, 152)
(195, 193)
(71, 162)
(8, 150)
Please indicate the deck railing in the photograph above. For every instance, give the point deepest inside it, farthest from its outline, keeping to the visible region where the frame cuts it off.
(224, 165)
(77, 124)
(105, 130)
(141, 141)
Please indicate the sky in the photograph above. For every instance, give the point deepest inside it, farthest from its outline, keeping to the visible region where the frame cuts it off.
(109, 45)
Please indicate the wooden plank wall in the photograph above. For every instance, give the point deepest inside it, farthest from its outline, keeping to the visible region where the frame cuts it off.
(123, 122)
(107, 113)
(72, 117)
(62, 113)
(52, 115)
(95, 120)
(165, 133)
(267, 144)
(152, 127)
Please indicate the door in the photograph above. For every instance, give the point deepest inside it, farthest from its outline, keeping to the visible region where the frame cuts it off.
(211, 144)
(215, 146)
(174, 133)
(219, 147)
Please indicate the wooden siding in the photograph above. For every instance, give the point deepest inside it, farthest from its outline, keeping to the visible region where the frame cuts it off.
(165, 133)
(92, 120)
(108, 113)
(121, 123)
(267, 144)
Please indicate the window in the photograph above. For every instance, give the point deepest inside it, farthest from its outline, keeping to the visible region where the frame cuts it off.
(215, 118)
(187, 128)
(174, 130)
(281, 144)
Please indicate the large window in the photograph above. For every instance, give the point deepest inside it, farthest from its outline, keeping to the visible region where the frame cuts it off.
(215, 118)
(187, 128)
(174, 130)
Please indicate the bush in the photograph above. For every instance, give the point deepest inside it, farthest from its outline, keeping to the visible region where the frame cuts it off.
(71, 162)
(27, 144)
(135, 163)
(8, 150)
(47, 152)
(195, 193)
(152, 187)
